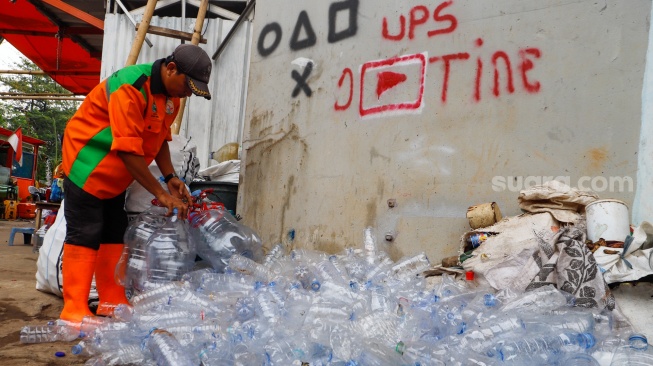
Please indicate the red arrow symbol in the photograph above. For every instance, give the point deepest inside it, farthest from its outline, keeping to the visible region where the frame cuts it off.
(388, 80)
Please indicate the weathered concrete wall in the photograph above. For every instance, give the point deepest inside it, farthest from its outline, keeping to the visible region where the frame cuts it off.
(437, 104)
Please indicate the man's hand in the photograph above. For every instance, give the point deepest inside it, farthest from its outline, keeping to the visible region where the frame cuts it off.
(171, 202)
(177, 188)
(136, 166)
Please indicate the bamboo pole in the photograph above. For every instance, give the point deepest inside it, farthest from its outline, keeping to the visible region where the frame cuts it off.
(34, 97)
(23, 72)
(197, 35)
(42, 94)
(142, 32)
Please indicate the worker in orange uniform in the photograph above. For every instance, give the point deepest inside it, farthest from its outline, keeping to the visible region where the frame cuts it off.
(122, 125)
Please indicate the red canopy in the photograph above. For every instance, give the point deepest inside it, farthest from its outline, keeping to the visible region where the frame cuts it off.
(35, 36)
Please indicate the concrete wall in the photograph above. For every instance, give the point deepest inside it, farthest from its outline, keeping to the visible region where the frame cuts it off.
(438, 105)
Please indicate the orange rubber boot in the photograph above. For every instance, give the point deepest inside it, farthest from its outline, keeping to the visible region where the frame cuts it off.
(78, 266)
(111, 293)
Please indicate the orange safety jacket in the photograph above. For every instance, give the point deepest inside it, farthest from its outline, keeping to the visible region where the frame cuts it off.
(129, 111)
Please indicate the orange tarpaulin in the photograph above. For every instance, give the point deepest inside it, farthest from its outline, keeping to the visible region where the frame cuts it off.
(35, 36)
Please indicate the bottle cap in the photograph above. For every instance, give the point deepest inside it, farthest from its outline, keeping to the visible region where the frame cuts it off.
(469, 275)
(60, 354)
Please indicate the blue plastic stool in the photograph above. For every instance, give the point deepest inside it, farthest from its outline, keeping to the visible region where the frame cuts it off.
(27, 234)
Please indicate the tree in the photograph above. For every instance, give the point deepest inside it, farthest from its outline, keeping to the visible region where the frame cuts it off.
(43, 119)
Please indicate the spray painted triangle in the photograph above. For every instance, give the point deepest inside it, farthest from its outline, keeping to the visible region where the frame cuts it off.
(388, 80)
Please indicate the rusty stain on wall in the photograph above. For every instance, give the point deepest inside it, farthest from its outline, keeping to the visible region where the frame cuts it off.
(597, 157)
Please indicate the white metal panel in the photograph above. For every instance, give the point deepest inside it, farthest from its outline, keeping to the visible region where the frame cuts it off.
(323, 169)
(643, 204)
(210, 124)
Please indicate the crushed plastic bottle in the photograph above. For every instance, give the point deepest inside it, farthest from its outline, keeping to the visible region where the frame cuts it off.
(53, 331)
(217, 235)
(636, 352)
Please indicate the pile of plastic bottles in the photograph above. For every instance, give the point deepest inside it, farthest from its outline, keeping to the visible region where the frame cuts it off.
(354, 308)
(159, 249)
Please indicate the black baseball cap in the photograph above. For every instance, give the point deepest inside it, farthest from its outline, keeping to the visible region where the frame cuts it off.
(192, 61)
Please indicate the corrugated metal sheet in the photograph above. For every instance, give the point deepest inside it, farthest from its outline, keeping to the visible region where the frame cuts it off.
(210, 124)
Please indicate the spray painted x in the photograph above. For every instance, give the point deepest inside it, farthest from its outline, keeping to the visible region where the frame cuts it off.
(301, 81)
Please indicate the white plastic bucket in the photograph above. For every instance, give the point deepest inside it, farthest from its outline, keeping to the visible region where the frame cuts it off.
(607, 219)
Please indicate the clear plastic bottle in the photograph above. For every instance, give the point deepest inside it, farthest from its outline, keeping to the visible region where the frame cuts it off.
(636, 352)
(273, 255)
(166, 349)
(485, 335)
(170, 254)
(578, 359)
(307, 277)
(131, 270)
(51, 332)
(369, 245)
(123, 355)
(411, 266)
(327, 270)
(217, 235)
(544, 344)
(148, 300)
(267, 308)
(307, 256)
(245, 308)
(198, 334)
(219, 353)
(164, 319)
(249, 267)
(380, 269)
(92, 323)
(574, 321)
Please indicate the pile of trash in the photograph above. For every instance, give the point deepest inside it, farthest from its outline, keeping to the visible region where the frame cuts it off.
(355, 308)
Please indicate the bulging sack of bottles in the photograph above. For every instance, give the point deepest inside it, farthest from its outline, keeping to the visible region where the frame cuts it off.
(157, 249)
(217, 235)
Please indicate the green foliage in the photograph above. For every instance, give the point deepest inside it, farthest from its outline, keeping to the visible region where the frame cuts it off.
(40, 118)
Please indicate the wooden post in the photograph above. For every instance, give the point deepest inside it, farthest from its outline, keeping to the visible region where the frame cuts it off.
(142, 32)
(197, 35)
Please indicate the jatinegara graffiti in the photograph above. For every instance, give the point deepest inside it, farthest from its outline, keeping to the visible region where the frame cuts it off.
(396, 86)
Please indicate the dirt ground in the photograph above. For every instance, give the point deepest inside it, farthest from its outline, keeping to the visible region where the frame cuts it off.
(21, 304)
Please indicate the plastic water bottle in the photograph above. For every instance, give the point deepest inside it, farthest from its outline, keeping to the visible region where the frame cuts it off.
(636, 352)
(574, 321)
(544, 344)
(249, 267)
(166, 349)
(578, 359)
(217, 235)
(123, 355)
(273, 255)
(245, 308)
(307, 278)
(51, 332)
(411, 266)
(486, 334)
(90, 324)
(131, 270)
(369, 244)
(169, 252)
